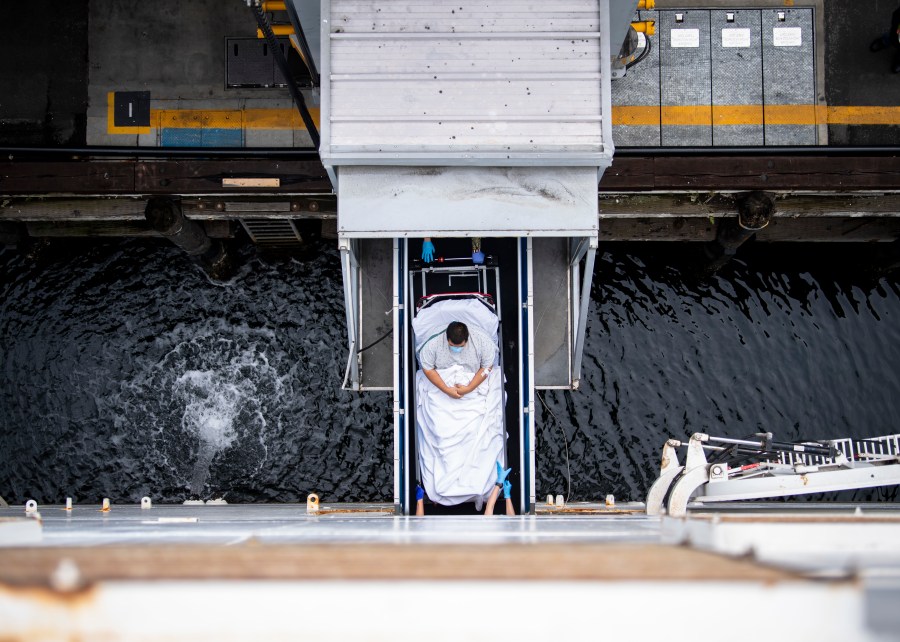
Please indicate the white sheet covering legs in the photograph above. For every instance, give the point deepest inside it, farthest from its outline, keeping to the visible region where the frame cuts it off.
(459, 439)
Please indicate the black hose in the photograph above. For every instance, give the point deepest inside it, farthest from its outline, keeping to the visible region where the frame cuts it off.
(376, 342)
(275, 47)
(647, 49)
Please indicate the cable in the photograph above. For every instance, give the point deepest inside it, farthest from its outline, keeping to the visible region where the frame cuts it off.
(643, 55)
(376, 341)
(566, 442)
(264, 26)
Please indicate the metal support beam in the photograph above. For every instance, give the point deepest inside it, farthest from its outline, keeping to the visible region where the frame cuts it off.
(583, 305)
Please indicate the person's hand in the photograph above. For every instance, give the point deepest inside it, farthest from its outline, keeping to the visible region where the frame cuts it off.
(427, 251)
(462, 389)
(507, 488)
(502, 474)
(453, 392)
(420, 493)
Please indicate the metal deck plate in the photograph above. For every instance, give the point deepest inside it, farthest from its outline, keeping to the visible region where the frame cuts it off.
(789, 72)
(640, 88)
(736, 77)
(684, 58)
(741, 82)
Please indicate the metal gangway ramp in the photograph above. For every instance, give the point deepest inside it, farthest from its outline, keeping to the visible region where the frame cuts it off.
(453, 121)
(722, 469)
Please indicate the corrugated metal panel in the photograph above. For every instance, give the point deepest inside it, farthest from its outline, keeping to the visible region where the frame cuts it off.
(494, 82)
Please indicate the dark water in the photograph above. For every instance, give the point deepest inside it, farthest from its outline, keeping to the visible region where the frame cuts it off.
(126, 372)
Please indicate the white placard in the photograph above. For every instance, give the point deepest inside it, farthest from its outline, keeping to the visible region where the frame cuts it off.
(735, 37)
(787, 36)
(642, 40)
(685, 38)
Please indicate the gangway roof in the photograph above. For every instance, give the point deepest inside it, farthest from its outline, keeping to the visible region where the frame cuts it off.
(439, 82)
(379, 201)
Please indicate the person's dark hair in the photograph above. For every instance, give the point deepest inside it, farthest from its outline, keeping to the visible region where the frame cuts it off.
(457, 332)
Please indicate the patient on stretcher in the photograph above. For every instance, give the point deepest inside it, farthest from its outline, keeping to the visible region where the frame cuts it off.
(471, 349)
(459, 403)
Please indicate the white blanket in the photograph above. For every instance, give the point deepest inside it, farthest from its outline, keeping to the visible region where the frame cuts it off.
(459, 440)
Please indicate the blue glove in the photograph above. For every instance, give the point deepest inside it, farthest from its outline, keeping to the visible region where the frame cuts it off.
(477, 258)
(427, 251)
(420, 493)
(507, 489)
(502, 474)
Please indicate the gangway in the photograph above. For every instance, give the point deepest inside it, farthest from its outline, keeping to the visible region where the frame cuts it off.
(722, 469)
(454, 122)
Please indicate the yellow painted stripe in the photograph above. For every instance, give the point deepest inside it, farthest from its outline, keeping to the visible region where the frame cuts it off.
(631, 115)
(705, 115)
(685, 115)
(200, 119)
(635, 115)
(791, 115)
(864, 115)
(736, 114)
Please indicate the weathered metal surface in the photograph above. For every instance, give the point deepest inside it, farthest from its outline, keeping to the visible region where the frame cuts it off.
(82, 210)
(492, 83)
(788, 229)
(684, 74)
(67, 177)
(788, 73)
(627, 173)
(205, 176)
(640, 89)
(737, 77)
(169, 176)
(829, 173)
(467, 201)
(552, 313)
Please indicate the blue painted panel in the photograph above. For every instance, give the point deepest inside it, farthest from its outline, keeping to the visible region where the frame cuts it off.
(223, 138)
(177, 137)
(200, 137)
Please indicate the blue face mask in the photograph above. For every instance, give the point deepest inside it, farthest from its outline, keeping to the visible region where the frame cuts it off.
(456, 349)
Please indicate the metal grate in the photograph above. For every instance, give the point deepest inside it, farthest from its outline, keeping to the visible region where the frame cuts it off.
(272, 231)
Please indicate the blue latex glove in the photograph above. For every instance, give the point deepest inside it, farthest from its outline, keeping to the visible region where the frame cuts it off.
(427, 251)
(502, 474)
(477, 258)
(507, 489)
(420, 493)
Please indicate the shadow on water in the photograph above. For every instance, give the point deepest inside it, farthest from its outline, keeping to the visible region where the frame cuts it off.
(127, 372)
